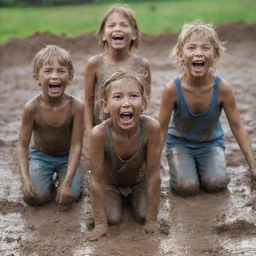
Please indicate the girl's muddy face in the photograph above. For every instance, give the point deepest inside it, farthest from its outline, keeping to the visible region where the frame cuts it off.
(118, 32)
(124, 103)
(198, 56)
(53, 78)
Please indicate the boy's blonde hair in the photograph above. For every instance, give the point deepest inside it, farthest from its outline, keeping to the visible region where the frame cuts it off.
(119, 74)
(47, 54)
(197, 28)
(129, 15)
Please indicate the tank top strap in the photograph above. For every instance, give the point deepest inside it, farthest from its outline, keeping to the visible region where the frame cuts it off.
(216, 89)
(109, 138)
(142, 131)
(179, 91)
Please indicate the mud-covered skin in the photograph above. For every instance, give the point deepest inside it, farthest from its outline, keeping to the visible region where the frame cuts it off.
(220, 224)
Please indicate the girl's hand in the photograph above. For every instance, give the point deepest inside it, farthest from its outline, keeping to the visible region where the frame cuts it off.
(99, 231)
(151, 227)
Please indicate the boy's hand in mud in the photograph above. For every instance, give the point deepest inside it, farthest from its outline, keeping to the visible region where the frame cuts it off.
(64, 194)
(29, 190)
(150, 227)
(99, 231)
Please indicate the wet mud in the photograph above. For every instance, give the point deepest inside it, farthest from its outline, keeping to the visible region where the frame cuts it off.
(206, 224)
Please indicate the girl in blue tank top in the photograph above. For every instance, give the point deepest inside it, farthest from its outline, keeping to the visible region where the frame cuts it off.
(195, 143)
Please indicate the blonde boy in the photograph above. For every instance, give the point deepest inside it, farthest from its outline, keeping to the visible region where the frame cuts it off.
(54, 119)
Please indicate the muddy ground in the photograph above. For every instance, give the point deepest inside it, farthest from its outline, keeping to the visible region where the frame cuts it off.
(207, 224)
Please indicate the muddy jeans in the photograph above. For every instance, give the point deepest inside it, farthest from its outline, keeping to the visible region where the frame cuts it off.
(41, 170)
(191, 168)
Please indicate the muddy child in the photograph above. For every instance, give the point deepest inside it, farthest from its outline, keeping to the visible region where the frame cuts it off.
(54, 120)
(118, 36)
(195, 143)
(124, 155)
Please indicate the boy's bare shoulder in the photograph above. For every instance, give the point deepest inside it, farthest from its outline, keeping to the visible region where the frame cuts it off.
(31, 106)
(78, 104)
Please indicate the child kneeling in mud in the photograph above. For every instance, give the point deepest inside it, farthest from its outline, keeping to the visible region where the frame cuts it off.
(124, 155)
(195, 139)
(55, 122)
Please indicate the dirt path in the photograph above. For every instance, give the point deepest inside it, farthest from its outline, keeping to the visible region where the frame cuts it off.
(208, 224)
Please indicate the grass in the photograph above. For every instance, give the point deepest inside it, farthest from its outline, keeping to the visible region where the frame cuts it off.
(153, 17)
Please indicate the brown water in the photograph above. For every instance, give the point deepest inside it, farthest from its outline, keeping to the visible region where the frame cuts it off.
(207, 224)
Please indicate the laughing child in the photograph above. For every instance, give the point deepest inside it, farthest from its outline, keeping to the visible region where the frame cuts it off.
(195, 139)
(118, 36)
(55, 122)
(124, 155)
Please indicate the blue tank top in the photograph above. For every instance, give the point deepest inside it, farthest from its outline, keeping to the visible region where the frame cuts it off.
(192, 129)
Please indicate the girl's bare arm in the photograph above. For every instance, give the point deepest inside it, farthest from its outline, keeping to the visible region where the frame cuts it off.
(152, 173)
(89, 84)
(96, 156)
(168, 99)
(237, 127)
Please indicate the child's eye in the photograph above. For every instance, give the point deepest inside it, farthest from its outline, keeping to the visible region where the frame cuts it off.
(116, 97)
(135, 96)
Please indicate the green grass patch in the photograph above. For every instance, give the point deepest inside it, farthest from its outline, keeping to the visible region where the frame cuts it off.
(153, 17)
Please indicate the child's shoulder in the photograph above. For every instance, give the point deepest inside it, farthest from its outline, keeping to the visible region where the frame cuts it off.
(77, 104)
(170, 86)
(138, 59)
(98, 132)
(151, 123)
(32, 105)
(95, 60)
(224, 87)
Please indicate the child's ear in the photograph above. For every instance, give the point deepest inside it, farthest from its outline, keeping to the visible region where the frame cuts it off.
(134, 37)
(36, 80)
(104, 107)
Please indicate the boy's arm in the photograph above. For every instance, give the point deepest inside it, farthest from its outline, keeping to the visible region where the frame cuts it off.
(237, 127)
(25, 133)
(89, 84)
(146, 66)
(152, 174)
(64, 193)
(96, 156)
(168, 99)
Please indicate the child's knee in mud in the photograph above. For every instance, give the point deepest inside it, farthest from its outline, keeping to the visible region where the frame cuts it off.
(187, 187)
(114, 218)
(215, 184)
(37, 201)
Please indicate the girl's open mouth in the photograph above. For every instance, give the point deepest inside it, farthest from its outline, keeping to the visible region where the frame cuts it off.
(126, 117)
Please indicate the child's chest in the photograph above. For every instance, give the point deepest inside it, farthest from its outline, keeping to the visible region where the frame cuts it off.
(54, 117)
(198, 101)
(126, 148)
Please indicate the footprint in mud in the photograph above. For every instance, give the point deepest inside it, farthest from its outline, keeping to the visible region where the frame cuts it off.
(236, 228)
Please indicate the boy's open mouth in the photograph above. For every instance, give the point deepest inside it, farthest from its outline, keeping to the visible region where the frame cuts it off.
(118, 38)
(198, 65)
(54, 85)
(126, 117)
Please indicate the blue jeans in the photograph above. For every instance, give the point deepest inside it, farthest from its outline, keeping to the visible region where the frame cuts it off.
(192, 168)
(41, 170)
